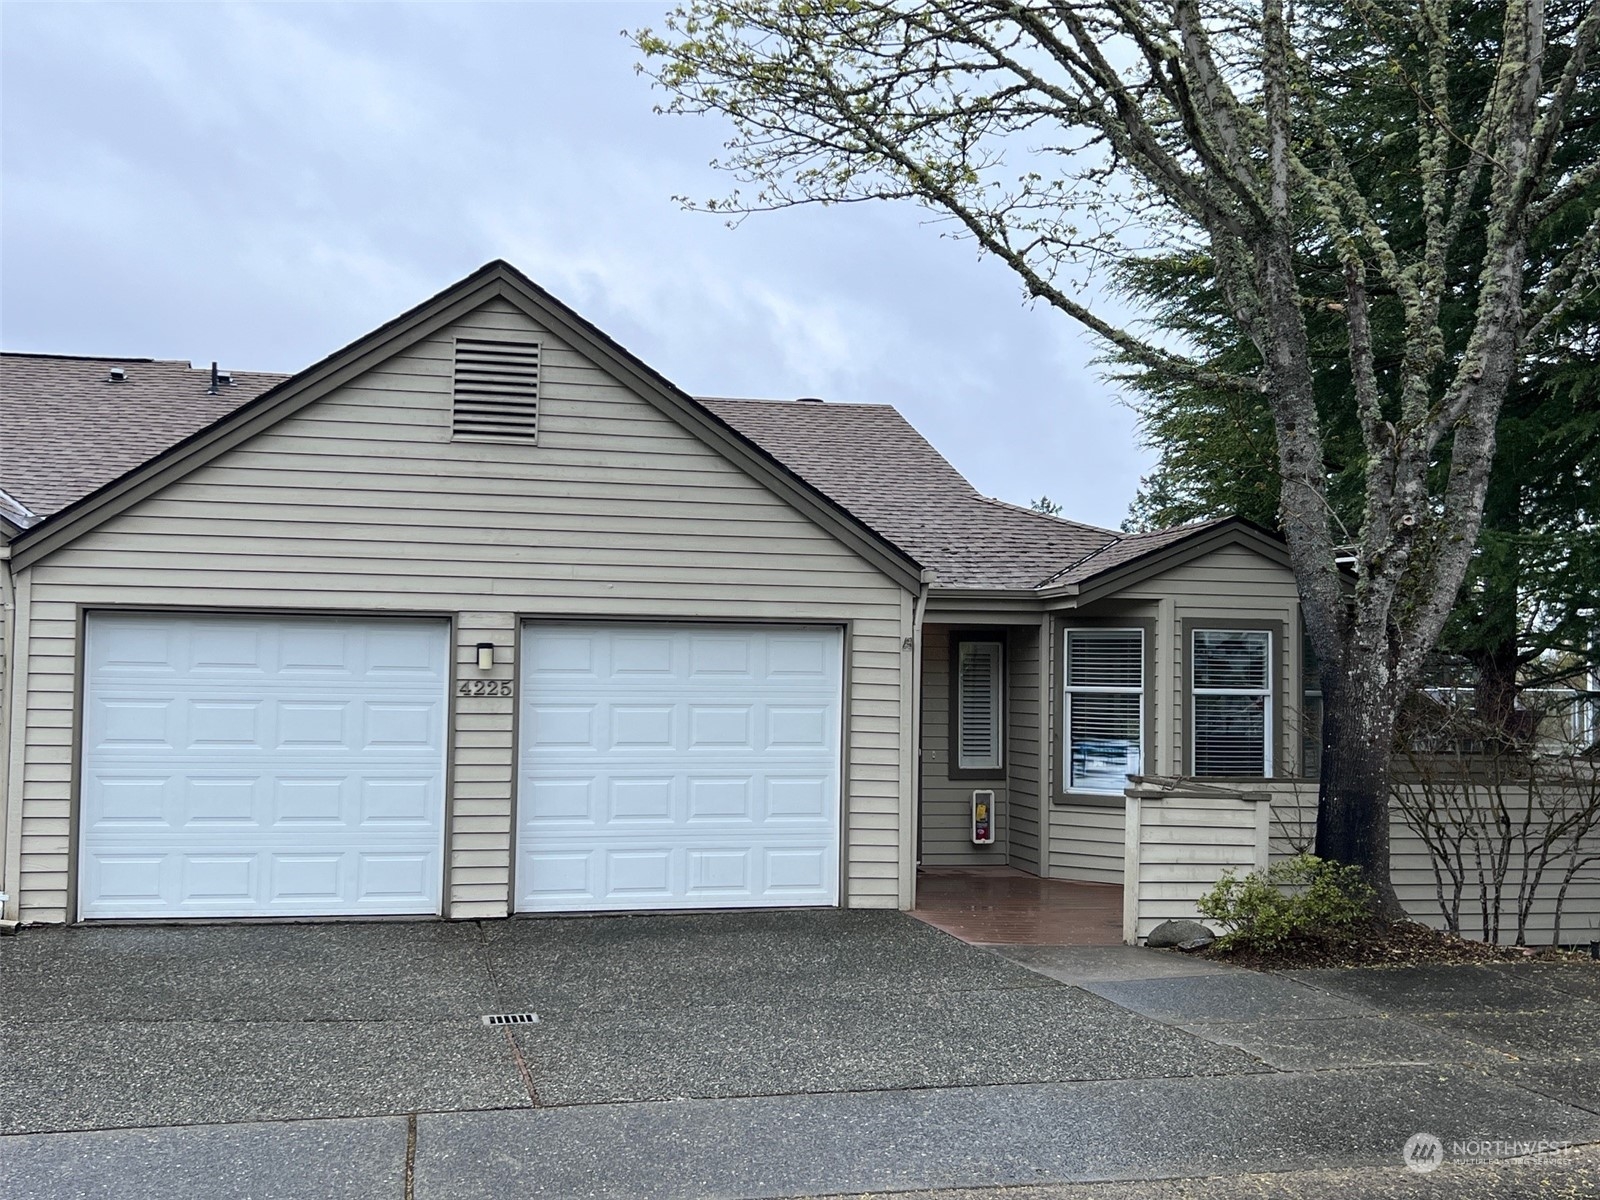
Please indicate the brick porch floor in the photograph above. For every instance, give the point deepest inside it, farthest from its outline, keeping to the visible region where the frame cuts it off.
(1005, 906)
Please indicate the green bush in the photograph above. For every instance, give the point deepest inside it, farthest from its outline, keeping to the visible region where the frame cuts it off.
(1302, 899)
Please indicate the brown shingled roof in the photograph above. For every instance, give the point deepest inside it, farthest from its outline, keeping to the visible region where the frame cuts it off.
(66, 430)
(869, 459)
(1128, 547)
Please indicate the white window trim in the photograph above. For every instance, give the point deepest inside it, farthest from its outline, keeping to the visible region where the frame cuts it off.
(1269, 694)
(998, 766)
(1066, 705)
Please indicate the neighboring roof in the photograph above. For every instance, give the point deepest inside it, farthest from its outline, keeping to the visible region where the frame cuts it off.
(14, 511)
(68, 430)
(870, 460)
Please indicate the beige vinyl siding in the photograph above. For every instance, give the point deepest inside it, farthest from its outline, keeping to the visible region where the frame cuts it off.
(1294, 817)
(362, 503)
(483, 768)
(1181, 845)
(1023, 767)
(1087, 842)
(947, 803)
(1087, 834)
(1231, 584)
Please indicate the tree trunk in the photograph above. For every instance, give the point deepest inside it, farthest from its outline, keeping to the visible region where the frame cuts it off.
(1357, 746)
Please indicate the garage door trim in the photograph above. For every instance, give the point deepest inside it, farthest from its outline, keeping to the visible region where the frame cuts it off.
(839, 631)
(442, 766)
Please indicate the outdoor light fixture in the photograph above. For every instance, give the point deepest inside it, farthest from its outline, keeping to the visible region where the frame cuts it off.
(485, 656)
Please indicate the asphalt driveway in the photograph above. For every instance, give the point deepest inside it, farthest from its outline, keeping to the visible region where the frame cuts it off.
(143, 1026)
(754, 1054)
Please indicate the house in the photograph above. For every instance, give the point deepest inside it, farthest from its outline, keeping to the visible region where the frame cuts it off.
(481, 615)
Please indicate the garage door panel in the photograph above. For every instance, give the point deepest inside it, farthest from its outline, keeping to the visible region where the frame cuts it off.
(192, 800)
(136, 800)
(562, 726)
(640, 656)
(260, 766)
(232, 800)
(219, 881)
(551, 800)
(677, 767)
(719, 800)
(232, 651)
(562, 654)
(131, 723)
(144, 724)
(631, 876)
(797, 870)
(640, 801)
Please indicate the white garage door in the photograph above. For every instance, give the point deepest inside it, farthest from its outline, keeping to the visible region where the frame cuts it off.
(672, 767)
(262, 766)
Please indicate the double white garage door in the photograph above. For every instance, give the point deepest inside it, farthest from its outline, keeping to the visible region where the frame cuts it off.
(295, 766)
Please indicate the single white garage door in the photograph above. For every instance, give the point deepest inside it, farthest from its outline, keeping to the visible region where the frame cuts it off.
(667, 767)
(262, 766)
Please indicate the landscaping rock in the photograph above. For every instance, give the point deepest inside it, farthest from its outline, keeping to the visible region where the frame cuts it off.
(1199, 943)
(1174, 933)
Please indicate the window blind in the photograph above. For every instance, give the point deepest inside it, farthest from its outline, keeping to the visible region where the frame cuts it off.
(1104, 708)
(978, 705)
(1231, 694)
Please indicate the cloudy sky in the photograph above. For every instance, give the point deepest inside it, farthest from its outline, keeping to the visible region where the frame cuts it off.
(261, 185)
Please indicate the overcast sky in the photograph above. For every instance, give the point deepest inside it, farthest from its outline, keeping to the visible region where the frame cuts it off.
(261, 185)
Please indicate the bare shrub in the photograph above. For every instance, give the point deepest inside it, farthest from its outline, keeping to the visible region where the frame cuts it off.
(1510, 817)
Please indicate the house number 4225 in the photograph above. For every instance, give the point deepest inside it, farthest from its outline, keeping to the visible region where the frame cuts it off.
(484, 687)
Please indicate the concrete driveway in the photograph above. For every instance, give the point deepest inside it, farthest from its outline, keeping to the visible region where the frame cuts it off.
(758, 1054)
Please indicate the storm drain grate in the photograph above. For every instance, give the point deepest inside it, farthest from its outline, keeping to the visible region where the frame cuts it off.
(510, 1018)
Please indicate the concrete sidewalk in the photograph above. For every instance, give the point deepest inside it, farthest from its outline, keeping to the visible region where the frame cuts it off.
(744, 1055)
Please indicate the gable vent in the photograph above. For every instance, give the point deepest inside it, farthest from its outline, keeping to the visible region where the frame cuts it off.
(497, 390)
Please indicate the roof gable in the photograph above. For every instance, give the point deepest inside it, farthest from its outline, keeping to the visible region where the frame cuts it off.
(495, 280)
(1138, 557)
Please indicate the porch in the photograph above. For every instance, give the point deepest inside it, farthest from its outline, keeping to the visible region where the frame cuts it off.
(1007, 906)
(1003, 858)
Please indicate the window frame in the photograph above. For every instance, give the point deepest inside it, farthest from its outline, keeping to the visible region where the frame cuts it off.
(1272, 717)
(953, 767)
(1066, 692)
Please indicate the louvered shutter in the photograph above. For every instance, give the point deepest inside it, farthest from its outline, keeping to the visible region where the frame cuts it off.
(978, 706)
(1104, 708)
(1232, 697)
(496, 390)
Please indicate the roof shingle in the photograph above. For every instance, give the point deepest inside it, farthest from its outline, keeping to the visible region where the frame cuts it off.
(869, 459)
(67, 430)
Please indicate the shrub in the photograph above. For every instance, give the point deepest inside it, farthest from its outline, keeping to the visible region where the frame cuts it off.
(1302, 899)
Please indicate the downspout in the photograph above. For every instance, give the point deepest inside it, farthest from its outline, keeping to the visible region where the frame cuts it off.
(9, 898)
(918, 612)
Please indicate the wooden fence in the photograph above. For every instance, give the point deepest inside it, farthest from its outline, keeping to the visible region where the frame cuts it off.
(1182, 836)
